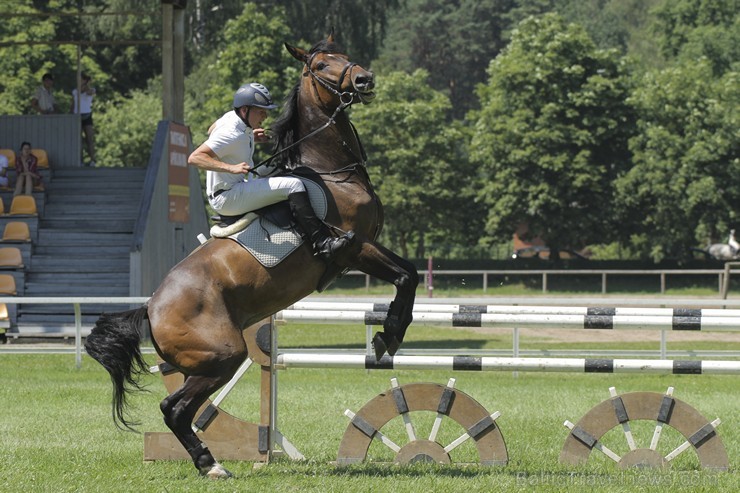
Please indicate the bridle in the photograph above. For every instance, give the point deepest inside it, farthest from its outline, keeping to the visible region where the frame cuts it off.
(333, 87)
(336, 87)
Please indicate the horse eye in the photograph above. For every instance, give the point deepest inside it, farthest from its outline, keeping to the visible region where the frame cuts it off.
(321, 66)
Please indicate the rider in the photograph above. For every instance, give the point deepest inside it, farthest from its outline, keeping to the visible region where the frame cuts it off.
(227, 157)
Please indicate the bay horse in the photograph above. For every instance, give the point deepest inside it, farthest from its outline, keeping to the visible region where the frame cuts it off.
(197, 315)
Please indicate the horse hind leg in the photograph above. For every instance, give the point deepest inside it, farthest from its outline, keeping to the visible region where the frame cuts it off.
(179, 410)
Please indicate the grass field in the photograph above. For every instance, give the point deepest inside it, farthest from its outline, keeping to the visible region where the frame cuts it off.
(57, 434)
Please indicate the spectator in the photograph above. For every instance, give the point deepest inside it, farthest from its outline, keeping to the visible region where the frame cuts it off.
(26, 170)
(84, 109)
(3, 170)
(43, 99)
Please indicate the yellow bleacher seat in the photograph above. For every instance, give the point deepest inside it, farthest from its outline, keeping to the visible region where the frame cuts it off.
(4, 319)
(10, 154)
(16, 231)
(10, 257)
(42, 157)
(7, 285)
(23, 204)
(2, 207)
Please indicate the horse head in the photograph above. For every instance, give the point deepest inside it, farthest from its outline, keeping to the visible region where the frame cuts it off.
(334, 79)
(330, 83)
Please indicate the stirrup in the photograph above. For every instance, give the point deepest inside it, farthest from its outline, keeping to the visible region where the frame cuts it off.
(330, 246)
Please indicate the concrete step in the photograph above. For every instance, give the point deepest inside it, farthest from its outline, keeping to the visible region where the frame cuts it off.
(55, 236)
(101, 289)
(40, 310)
(83, 243)
(115, 225)
(98, 212)
(75, 278)
(62, 263)
(77, 250)
(89, 173)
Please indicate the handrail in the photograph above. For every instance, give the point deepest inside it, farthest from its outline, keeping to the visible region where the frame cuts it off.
(150, 180)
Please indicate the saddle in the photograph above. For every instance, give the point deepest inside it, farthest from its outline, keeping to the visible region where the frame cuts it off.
(270, 234)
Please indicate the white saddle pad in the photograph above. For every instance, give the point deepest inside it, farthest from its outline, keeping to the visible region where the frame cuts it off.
(270, 244)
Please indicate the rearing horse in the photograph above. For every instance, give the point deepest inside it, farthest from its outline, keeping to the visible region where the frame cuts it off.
(198, 313)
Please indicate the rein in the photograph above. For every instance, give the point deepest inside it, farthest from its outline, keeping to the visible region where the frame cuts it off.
(343, 104)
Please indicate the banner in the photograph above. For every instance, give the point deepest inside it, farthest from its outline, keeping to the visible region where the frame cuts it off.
(179, 174)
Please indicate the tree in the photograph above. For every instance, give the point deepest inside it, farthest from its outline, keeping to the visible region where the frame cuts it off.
(360, 24)
(32, 50)
(416, 163)
(684, 188)
(452, 40)
(126, 127)
(129, 63)
(252, 51)
(551, 135)
(690, 29)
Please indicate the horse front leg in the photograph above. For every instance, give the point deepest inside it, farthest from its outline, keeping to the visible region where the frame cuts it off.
(383, 264)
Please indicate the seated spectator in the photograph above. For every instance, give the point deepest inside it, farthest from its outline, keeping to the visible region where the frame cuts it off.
(3, 171)
(43, 99)
(26, 170)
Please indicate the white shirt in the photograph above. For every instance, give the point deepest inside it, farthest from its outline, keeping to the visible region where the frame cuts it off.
(233, 142)
(45, 99)
(85, 105)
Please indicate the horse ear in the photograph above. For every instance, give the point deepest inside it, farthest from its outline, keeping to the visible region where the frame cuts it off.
(330, 38)
(298, 53)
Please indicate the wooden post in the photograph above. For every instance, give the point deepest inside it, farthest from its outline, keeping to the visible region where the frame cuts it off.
(173, 75)
(430, 278)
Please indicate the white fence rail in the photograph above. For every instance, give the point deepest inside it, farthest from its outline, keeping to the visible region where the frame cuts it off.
(76, 302)
(545, 275)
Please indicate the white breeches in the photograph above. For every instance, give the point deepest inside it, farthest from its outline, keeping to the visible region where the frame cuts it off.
(255, 194)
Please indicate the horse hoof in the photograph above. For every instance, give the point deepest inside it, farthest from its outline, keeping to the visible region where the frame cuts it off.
(393, 346)
(218, 471)
(379, 346)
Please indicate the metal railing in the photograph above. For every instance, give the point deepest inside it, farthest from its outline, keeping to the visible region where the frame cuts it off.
(545, 274)
(76, 303)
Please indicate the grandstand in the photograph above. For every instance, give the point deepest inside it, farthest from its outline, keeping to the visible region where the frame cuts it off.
(92, 232)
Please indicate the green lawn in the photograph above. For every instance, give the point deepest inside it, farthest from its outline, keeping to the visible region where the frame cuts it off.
(57, 433)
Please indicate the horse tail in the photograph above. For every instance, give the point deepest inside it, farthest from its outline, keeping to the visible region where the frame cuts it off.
(114, 343)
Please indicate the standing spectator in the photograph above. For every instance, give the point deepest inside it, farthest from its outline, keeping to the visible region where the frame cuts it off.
(26, 170)
(84, 108)
(43, 99)
(3, 170)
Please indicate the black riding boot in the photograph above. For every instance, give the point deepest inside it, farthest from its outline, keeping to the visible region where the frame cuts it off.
(324, 245)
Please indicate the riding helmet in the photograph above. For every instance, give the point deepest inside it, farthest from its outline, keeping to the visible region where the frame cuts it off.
(253, 94)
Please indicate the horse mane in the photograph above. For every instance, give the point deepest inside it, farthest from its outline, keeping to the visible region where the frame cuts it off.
(285, 127)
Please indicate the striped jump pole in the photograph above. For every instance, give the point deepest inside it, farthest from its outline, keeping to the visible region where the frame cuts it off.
(524, 321)
(472, 363)
(517, 309)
